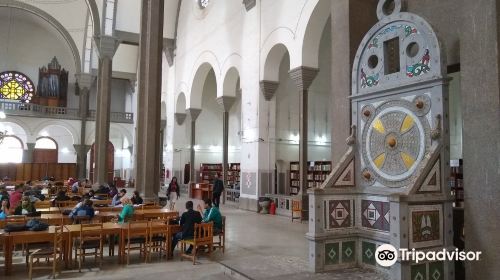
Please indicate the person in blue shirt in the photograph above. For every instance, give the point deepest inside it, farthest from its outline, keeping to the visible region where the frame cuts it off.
(85, 209)
(211, 214)
(118, 196)
(4, 208)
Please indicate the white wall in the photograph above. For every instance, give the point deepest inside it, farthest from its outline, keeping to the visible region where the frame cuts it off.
(455, 117)
(66, 152)
(121, 96)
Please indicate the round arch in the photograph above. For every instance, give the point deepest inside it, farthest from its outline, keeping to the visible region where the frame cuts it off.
(310, 30)
(46, 138)
(17, 129)
(59, 123)
(231, 79)
(12, 148)
(195, 97)
(52, 21)
(94, 14)
(89, 140)
(271, 65)
(180, 103)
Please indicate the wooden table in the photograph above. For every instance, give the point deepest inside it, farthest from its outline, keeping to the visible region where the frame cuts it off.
(201, 191)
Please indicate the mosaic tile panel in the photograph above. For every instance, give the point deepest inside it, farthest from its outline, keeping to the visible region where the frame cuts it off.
(436, 271)
(375, 215)
(332, 253)
(339, 214)
(348, 252)
(426, 226)
(368, 252)
(418, 272)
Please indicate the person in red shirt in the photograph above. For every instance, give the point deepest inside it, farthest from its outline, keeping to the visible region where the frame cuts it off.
(173, 192)
(16, 196)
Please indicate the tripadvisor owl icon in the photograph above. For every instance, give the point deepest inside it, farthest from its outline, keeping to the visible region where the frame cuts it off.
(386, 255)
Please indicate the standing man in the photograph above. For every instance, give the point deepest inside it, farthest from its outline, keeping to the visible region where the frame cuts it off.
(218, 189)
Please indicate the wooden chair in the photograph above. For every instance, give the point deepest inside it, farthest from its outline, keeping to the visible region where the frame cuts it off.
(91, 238)
(203, 236)
(158, 237)
(66, 204)
(55, 254)
(136, 239)
(296, 208)
(77, 220)
(221, 243)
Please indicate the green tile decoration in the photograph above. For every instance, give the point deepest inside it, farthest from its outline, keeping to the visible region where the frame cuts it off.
(331, 253)
(436, 271)
(348, 251)
(368, 252)
(418, 272)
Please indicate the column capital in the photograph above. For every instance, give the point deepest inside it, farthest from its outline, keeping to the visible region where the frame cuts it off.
(225, 102)
(169, 48)
(303, 76)
(179, 118)
(193, 113)
(106, 46)
(85, 80)
(31, 146)
(249, 4)
(79, 146)
(268, 89)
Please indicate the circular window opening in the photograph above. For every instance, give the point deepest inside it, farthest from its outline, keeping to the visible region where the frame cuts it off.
(388, 7)
(412, 49)
(372, 61)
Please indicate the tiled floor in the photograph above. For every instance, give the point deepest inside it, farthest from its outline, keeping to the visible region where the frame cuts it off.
(258, 247)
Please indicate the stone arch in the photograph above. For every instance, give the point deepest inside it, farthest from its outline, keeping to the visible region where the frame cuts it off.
(89, 140)
(180, 103)
(60, 123)
(195, 96)
(19, 131)
(94, 15)
(310, 30)
(53, 22)
(272, 62)
(231, 79)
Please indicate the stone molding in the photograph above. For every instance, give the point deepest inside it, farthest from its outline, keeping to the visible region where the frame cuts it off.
(225, 102)
(268, 89)
(106, 46)
(303, 76)
(193, 113)
(249, 4)
(85, 80)
(169, 49)
(180, 118)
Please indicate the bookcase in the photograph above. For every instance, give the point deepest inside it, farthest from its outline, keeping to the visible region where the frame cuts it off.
(456, 184)
(208, 171)
(316, 174)
(233, 175)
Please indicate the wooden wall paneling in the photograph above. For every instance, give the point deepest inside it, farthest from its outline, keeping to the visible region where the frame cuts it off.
(20, 172)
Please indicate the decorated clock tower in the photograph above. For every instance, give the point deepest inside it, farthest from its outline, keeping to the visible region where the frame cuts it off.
(390, 186)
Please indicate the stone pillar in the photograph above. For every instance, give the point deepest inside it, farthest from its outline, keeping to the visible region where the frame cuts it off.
(193, 114)
(85, 82)
(225, 103)
(351, 19)
(28, 153)
(303, 77)
(149, 99)
(107, 46)
(480, 96)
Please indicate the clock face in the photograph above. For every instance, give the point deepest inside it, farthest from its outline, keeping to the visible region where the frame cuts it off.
(395, 143)
(203, 3)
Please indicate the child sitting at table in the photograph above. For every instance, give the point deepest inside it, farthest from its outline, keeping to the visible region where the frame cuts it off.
(4, 208)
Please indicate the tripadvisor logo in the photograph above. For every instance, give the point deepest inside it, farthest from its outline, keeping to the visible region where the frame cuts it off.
(386, 255)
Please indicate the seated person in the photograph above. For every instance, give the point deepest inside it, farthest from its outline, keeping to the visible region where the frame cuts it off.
(75, 186)
(16, 196)
(82, 202)
(4, 208)
(188, 219)
(61, 196)
(112, 191)
(211, 214)
(85, 209)
(118, 196)
(92, 195)
(25, 208)
(127, 211)
(136, 198)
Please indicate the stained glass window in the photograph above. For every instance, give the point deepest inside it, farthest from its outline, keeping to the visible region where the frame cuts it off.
(16, 86)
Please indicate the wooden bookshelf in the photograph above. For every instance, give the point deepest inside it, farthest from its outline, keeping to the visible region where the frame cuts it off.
(233, 175)
(208, 171)
(316, 174)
